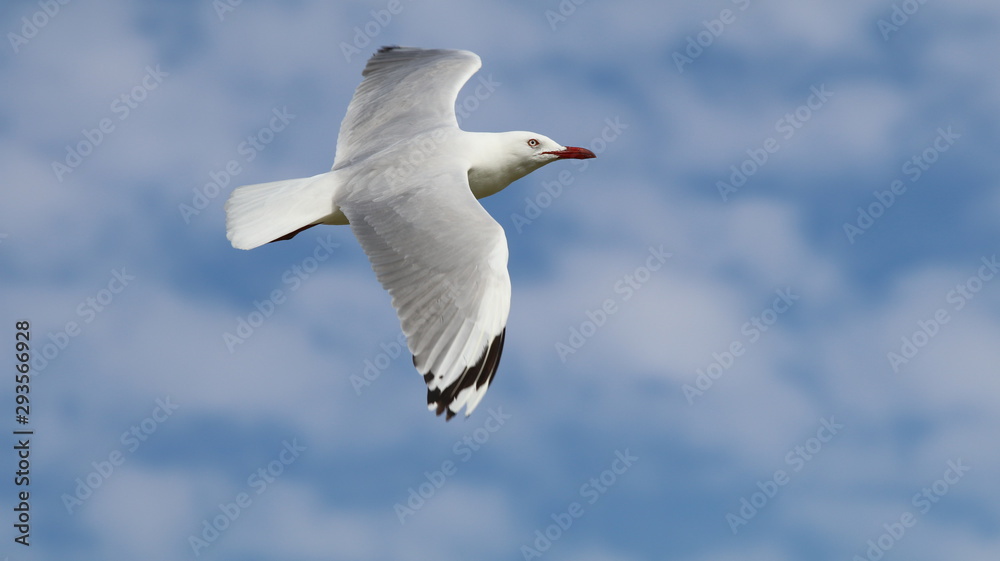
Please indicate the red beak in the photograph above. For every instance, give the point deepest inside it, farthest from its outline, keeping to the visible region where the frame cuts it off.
(572, 152)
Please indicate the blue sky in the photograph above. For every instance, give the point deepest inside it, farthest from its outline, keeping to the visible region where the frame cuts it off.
(762, 324)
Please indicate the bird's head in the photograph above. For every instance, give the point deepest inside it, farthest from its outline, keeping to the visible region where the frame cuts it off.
(540, 149)
(502, 158)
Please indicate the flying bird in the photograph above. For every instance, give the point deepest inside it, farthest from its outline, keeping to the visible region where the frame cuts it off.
(406, 179)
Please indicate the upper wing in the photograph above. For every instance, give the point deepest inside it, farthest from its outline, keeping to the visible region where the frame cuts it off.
(405, 91)
(443, 260)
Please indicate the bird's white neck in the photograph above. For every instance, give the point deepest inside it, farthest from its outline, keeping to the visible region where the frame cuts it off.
(493, 166)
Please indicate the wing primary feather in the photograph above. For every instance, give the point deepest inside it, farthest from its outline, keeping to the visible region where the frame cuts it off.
(443, 260)
(478, 376)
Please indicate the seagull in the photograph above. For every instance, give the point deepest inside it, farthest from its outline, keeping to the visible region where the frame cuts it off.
(406, 178)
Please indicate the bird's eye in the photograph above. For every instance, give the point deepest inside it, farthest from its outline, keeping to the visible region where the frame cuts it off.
(533, 142)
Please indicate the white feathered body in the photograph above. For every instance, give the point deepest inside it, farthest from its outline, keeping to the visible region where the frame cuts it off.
(406, 179)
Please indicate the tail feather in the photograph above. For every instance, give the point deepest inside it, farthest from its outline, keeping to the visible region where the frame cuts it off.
(266, 212)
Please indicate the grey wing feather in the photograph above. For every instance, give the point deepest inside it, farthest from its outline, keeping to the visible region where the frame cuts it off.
(405, 91)
(443, 259)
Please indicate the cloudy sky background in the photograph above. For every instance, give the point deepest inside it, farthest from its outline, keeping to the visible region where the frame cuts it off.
(920, 96)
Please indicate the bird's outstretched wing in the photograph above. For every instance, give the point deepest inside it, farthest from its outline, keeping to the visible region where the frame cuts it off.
(443, 259)
(405, 91)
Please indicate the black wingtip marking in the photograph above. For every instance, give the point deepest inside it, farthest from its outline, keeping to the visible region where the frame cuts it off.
(481, 373)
